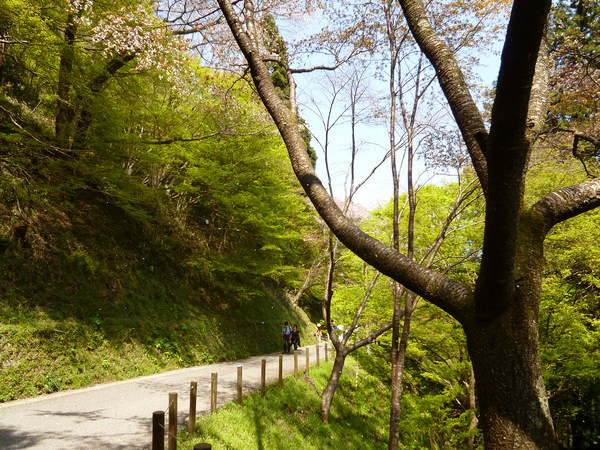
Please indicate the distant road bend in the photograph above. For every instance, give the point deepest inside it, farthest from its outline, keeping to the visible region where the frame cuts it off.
(119, 415)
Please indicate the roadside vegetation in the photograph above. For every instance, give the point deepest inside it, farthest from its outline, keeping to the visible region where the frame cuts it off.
(289, 417)
(48, 349)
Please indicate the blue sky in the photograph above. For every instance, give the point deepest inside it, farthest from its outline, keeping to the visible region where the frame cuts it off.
(373, 139)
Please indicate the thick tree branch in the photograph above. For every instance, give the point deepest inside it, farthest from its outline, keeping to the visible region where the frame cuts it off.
(440, 290)
(583, 137)
(519, 56)
(508, 154)
(369, 339)
(539, 99)
(451, 79)
(568, 202)
(315, 68)
(6, 40)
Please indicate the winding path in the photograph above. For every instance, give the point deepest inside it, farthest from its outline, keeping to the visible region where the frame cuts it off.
(119, 415)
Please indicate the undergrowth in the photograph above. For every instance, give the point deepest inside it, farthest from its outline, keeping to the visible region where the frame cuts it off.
(289, 417)
(93, 295)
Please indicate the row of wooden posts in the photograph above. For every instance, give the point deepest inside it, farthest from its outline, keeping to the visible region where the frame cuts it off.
(158, 417)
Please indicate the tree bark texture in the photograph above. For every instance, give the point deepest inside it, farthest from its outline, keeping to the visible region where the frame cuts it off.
(510, 390)
(332, 384)
(512, 400)
(538, 102)
(470, 442)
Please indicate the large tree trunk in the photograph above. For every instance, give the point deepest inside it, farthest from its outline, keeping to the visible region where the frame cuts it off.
(500, 317)
(513, 406)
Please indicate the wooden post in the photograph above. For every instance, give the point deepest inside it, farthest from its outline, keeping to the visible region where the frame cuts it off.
(239, 384)
(158, 430)
(280, 382)
(192, 416)
(307, 371)
(172, 436)
(295, 364)
(326, 353)
(263, 377)
(318, 356)
(213, 392)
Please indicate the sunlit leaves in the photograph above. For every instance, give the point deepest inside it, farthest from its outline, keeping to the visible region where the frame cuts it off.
(570, 329)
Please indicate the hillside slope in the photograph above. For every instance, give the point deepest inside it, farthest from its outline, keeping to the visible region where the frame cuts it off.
(93, 293)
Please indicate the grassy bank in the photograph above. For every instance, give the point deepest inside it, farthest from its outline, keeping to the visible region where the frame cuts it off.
(289, 417)
(94, 295)
(43, 352)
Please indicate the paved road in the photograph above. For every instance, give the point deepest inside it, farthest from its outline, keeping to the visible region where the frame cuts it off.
(119, 415)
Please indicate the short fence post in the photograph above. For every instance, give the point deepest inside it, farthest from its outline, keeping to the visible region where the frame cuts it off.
(280, 382)
(239, 384)
(158, 430)
(192, 417)
(307, 371)
(213, 392)
(296, 365)
(263, 377)
(326, 353)
(318, 356)
(203, 446)
(172, 437)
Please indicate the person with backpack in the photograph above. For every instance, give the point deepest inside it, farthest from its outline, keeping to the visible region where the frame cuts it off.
(286, 333)
(295, 337)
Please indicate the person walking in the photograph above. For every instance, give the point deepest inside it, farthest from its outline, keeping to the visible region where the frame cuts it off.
(295, 337)
(286, 333)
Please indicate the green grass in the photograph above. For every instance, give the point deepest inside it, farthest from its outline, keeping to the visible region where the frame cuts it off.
(65, 324)
(289, 417)
(44, 349)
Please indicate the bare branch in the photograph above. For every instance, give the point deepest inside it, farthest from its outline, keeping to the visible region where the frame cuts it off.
(205, 137)
(13, 41)
(369, 339)
(584, 137)
(440, 290)
(452, 82)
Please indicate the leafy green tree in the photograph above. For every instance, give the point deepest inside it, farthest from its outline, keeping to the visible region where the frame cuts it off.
(438, 401)
(426, 354)
(139, 123)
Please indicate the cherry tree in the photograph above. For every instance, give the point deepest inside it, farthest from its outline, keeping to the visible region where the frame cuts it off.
(500, 313)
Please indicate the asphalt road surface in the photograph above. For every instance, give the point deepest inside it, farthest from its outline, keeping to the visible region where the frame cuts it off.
(119, 415)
